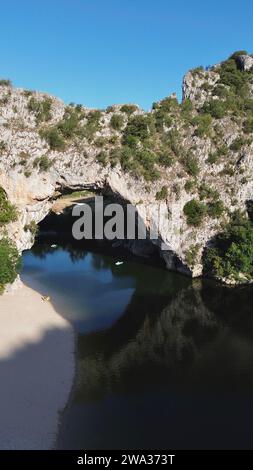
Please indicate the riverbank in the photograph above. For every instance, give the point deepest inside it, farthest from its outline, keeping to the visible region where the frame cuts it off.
(37, 367)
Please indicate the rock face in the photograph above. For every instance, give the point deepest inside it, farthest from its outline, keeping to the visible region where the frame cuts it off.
(223, 154)
(245, 62)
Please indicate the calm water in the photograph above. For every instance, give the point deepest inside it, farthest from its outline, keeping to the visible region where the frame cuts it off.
(162, 363)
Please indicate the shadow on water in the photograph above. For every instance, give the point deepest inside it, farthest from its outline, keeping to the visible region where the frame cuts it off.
(171, 367)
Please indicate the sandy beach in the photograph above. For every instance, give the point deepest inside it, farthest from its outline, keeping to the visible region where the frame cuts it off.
(36, 369)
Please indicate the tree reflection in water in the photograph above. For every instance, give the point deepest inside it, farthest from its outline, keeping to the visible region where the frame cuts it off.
(177, 354)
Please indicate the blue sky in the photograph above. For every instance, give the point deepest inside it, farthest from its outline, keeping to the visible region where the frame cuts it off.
(101, 52)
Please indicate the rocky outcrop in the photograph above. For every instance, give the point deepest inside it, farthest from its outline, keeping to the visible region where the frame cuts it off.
(32, 184)
(245, 62)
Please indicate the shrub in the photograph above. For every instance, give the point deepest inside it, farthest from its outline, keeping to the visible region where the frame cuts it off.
(237, 54)
(31, 227)
(8, 211)
(10, 262)
(102, 158)
(113, 139)
(191, 165)
(146, 158)
(189, 186)
(165, 158)
(100, 142)
(152, 174)
(41, 108)
(53, 138)
(191, 255)
(168, 105)
(109, 109)
(222, 150)
(162, 119)
(237, 144)
(215, 209)
(68, 127)
(94, 117)
(206, 192)
(203, 123)
(206, 86)
(126, 158)
(162, 194)
(233, 251)
(221, 91)
(115, 155)
(117, 122)
(93, 124)
(79, 108)
(186, 109)
(5, 99)
(231, 76)
(128, 109)
(195, 212)
(3, 146)
(216, 108)
(197, 70)
(213, 158)
(139, 162)
(5, 82)
(248, 126)
(43, 163)
(27, 93)
(248, 104)
(137, 128)
(173, 141)
(213, 263)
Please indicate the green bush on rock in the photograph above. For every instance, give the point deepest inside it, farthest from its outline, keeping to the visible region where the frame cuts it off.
(10, 262)
(162, 194)
(195, 212)
(8, 212)
(43, 163)
(53, 138)
(41, 108)
(5, 82)
(232, 254)
(128, 109)
(117, 122)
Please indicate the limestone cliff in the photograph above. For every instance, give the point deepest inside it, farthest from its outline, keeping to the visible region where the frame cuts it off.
(199, 150)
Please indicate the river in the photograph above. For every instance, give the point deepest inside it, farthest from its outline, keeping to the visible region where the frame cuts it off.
(162, 362)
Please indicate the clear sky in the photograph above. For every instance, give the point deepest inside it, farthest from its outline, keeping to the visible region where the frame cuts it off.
(101, 52)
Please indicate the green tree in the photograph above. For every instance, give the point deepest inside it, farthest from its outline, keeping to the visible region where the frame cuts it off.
(53, 138)
(233, 250)
(195, 212)
(117, 121)
(8, 211)
(10, 262)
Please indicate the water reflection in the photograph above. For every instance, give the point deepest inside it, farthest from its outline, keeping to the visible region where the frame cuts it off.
(162, 362)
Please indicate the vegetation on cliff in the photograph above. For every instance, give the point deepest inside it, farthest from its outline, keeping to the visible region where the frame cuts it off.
(9, 256)
(146, 143)
(193, 156)
(8, 212)
(232, 253)
(10, 262)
